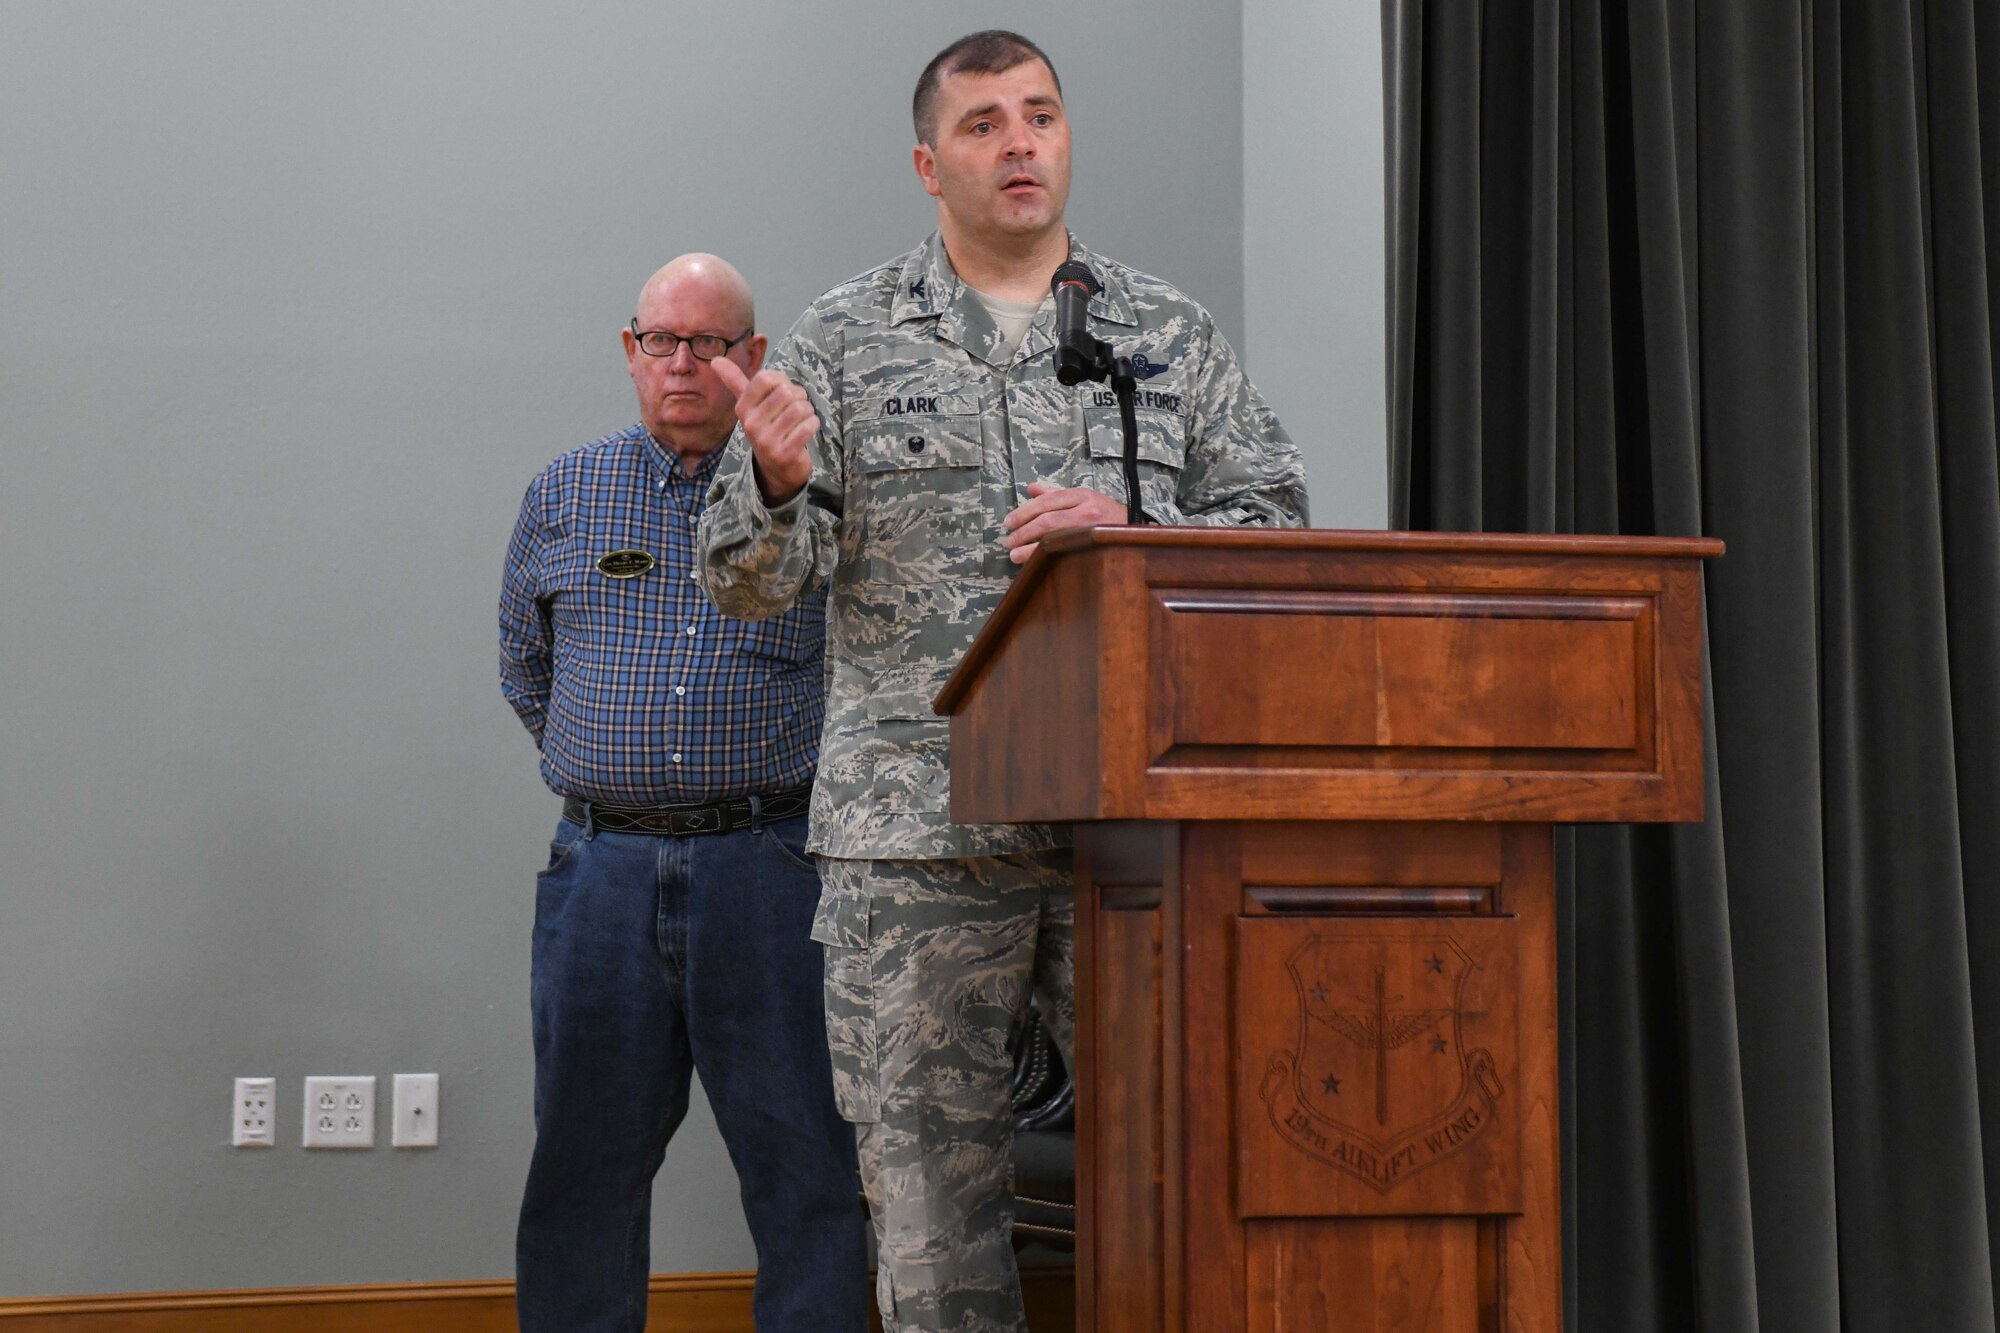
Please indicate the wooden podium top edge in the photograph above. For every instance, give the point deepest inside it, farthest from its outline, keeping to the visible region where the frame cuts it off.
(1296, 539)
(1369, 539)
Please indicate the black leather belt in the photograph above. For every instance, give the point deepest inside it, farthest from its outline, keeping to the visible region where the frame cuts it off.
(680, 821)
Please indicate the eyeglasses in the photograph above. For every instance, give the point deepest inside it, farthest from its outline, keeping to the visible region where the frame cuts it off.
(705, 346)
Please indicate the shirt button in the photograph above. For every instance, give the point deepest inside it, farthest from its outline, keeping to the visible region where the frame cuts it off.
(677, 756)
(680, 689)
(690, 629)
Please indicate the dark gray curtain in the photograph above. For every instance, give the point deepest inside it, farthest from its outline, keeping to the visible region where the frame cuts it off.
(1728, 267)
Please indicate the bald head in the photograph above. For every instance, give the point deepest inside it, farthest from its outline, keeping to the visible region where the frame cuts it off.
(685, 405)
(707, 277)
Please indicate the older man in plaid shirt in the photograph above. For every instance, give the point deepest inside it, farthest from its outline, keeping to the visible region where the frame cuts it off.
(672, 925)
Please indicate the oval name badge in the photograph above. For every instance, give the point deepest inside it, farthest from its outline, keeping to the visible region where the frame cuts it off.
(626, 564)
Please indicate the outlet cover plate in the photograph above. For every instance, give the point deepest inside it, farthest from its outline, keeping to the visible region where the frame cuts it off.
(414, 1119)
(340, 1111)
(253, 1114)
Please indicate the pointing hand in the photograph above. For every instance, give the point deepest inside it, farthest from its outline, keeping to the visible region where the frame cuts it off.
(779, 421)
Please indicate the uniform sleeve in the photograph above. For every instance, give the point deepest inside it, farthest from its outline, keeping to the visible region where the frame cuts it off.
(1242, 469)
(756, 560)
(525, 636)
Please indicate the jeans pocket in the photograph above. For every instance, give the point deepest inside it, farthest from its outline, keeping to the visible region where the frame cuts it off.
(797, 855)
(568, 835)
(841, 927)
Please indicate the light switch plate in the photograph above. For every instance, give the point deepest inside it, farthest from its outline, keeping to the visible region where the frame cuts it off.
(415, 1122)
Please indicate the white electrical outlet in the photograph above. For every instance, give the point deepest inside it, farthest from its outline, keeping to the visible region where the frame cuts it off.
(253, 1114)
(415, 1114)
(340, 1111)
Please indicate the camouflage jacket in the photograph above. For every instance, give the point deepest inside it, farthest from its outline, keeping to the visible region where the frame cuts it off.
(927, 444)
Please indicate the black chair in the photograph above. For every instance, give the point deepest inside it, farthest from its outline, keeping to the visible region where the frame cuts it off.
(1044, 1145)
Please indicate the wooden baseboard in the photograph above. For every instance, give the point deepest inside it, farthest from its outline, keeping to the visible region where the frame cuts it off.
(694, 1302)
(677, 1303)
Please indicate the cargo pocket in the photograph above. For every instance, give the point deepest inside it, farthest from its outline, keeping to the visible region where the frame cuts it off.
(913, 486)
(841, 927)
(885, 1293)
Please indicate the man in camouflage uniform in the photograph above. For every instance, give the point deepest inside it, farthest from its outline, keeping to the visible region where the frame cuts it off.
(910, 449)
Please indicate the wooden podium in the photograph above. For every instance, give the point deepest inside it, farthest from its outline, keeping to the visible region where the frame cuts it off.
(1313, 776)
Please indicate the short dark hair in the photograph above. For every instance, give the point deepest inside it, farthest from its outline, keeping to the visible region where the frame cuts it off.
(993, 51)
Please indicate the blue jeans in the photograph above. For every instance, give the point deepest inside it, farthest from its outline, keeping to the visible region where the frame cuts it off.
(656, 958)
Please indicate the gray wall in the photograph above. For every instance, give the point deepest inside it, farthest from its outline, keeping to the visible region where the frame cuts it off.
(293, 302)
(1313, 236)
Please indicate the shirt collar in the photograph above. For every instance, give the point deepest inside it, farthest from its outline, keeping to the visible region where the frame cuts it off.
(929, 287)
(667, 466)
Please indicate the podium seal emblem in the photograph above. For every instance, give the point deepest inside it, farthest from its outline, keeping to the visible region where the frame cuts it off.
(1381, 1082)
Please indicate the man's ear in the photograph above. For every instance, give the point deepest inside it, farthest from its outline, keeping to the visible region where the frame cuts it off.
(925, 161)
(631, 345)
(757, 346)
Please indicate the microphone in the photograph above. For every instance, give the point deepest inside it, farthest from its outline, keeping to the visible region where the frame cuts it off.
(1077, 353)
(1080, 357)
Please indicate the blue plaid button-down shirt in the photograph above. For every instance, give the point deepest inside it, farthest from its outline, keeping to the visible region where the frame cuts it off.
(638, 690)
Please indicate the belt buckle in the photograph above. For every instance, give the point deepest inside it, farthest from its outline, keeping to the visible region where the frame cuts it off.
(710, 819)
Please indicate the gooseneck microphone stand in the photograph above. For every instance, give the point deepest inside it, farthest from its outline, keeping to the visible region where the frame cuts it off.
(1100, 363)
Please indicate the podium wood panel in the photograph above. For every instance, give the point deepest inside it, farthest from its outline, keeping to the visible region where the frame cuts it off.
(1461, 685)
(1313, 777)
(1403, 673)
(1335, 1276)
(1215, 1253)
(1377, 1065)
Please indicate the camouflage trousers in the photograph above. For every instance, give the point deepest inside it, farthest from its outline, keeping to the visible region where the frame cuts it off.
(930, 968)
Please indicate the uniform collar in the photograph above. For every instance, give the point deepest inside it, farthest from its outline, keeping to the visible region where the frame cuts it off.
(929, 287)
